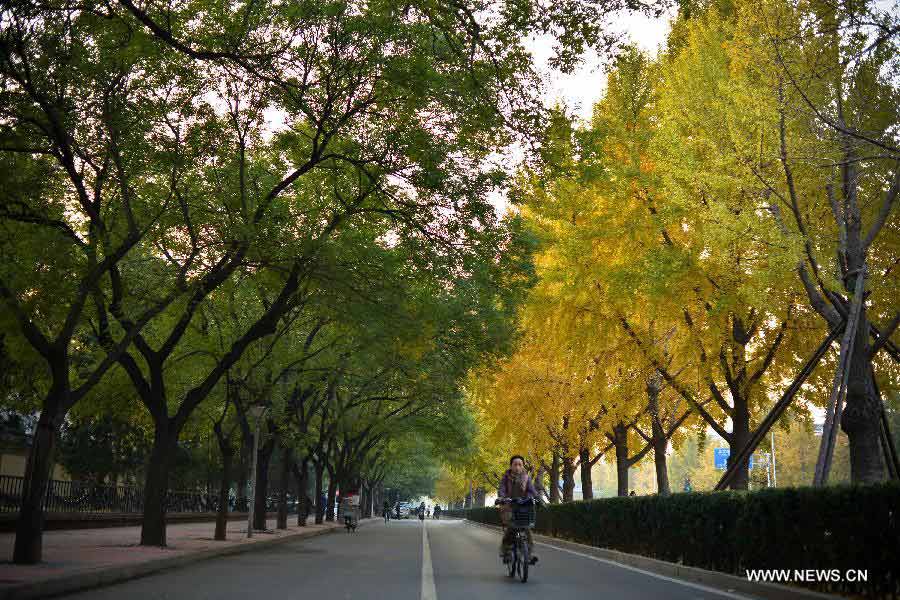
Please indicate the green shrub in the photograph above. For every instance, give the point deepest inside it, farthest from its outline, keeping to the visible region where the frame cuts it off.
(843, 527)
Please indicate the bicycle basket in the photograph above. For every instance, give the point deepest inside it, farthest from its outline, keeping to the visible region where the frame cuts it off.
(522, 516)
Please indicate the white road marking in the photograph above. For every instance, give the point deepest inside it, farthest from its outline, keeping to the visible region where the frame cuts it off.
(690, 584)
(428, 590)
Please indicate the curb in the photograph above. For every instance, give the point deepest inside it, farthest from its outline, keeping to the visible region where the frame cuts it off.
(714, 579)
(107, 576)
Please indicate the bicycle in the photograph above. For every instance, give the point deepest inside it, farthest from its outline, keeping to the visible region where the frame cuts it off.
(522, 518)
(350, 513)
(349, 523)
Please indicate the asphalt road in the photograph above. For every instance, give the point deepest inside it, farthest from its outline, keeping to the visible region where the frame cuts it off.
(449, 560)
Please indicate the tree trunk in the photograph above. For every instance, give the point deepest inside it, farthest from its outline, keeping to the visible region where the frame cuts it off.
(587, 484)
(246, 456)
(261, 493)
(554, 478)
(480, 497)
(620, 441)
(224, 487)
(740, 435)
(332, 494)
(862, 413)
(539, 481)
(568, 479)
(242, 503)
(658, 437)
(320, 506)
(286, 460)
(156, 485)
(301, 473)
(38, 471)
(660, 443)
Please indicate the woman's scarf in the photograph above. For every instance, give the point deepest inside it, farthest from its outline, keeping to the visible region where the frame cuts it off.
(518, 480)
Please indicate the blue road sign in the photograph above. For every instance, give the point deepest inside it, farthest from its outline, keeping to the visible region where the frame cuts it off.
(720, 458)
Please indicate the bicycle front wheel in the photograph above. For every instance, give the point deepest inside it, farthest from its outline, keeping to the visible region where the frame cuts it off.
(524, 559)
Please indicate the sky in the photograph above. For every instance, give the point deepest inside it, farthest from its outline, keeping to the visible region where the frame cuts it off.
(580, 90)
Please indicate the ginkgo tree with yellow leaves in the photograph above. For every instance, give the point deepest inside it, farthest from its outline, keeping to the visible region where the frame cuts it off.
(673, 287)
(820, 83)
(788, 148)
(642, 264)
(732, 303)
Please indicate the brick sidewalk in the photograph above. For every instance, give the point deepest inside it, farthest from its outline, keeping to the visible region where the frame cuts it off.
(76, 554)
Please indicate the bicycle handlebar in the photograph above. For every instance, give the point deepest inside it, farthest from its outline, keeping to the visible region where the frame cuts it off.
(520, 501)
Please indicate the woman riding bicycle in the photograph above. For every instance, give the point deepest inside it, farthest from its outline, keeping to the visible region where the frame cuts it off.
(515, 484)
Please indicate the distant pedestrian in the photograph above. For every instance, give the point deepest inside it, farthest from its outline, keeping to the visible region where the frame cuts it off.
(631, 493)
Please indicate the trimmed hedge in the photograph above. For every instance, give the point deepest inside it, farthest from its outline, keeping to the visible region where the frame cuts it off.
(842, 527)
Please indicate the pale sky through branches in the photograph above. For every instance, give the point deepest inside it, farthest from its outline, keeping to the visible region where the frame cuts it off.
(579, 91)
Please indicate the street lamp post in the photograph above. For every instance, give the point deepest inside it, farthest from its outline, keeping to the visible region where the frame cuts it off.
(256, 412)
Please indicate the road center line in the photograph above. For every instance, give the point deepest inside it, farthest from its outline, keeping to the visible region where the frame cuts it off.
(428, 590)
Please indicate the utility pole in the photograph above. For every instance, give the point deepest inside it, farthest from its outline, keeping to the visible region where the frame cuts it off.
(774, 476)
